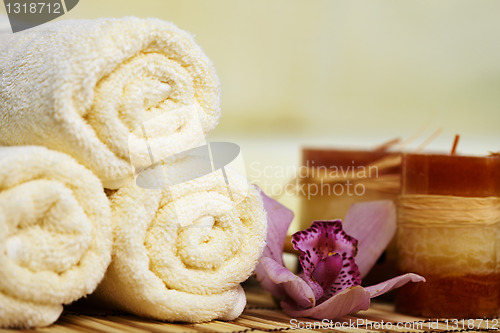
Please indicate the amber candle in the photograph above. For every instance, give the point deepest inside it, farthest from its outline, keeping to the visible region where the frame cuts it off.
(338, 178)
(449, 232)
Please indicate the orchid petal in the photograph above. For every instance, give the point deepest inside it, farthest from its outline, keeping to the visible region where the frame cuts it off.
(348, 277)
(327, 270)
(278, 220)
(373, 224)
(350, 300)
(292, 287)
(319, 241)
(396, 282)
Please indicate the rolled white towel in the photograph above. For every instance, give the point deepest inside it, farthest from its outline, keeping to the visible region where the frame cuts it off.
(86, 87)
(55, 234)
(180, 254)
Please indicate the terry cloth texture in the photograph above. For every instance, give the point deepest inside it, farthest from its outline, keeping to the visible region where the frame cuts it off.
(180, 254)
(55, 234)
(87, 87)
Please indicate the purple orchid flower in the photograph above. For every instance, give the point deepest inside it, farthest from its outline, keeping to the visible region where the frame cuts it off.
(330, 285)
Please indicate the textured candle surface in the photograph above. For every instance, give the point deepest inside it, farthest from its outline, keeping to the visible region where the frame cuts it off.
(449, 232)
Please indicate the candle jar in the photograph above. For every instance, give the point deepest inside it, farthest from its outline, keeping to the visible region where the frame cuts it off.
(449, 232)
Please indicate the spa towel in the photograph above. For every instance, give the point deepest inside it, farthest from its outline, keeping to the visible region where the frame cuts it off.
(87, 88)
(55, 234)
(181, 253)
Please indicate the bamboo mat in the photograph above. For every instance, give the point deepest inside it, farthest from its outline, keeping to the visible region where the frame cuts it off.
(261, 315)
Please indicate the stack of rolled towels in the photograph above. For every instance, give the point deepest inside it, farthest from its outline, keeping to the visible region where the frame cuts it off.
(85, 105)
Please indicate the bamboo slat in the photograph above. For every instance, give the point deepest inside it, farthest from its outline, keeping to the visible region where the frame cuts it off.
(261, 315)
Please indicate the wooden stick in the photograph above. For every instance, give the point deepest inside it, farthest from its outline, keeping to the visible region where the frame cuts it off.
(455, 144)
(429, 140)
(387, 145)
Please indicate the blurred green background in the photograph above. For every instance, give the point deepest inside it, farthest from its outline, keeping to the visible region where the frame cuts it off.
(341, 73)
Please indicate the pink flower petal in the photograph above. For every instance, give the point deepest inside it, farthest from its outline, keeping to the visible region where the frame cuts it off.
(291, 287)
(319, 241)
(350, 300)
(278, 220)
(373, 224)
(327, 270)
(396, 282)
(348, 277)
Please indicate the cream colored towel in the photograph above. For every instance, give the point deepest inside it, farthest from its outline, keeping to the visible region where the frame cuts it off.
(86, 87)
(180, 254)
(55, 234)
